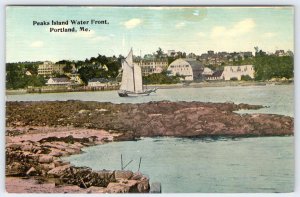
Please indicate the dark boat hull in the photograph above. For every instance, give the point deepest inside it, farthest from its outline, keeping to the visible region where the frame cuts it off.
(135, 94)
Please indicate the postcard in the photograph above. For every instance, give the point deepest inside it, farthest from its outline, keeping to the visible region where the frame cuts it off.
(149, 99)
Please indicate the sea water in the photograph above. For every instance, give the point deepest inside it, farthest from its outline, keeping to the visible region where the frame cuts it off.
(279, 99)
(263, 164)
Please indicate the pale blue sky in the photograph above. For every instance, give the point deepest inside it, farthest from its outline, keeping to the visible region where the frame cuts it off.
(194, 29)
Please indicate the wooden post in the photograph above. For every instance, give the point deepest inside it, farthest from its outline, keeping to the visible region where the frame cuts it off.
(121, 162)
(140, 163)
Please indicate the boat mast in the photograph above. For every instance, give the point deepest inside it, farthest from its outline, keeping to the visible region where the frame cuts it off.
(133, 77)
(141, 68)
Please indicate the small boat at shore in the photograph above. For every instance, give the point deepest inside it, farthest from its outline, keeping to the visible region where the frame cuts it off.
(132, 82)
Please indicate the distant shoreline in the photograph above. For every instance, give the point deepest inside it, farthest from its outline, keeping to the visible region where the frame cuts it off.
(219, 84)
(172, 86)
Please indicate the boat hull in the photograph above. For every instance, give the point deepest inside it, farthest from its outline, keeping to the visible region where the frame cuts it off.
(135, 94)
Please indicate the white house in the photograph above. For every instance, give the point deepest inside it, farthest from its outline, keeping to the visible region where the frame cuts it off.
(189, 69)
(237, 72)
(207, 71)
(58, 81)
(152, 66)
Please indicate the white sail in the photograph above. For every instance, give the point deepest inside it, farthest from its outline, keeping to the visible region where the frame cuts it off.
(127, 82)
(138, 79)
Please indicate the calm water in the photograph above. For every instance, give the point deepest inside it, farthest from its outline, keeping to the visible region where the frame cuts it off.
(278, 98)
(184, 165)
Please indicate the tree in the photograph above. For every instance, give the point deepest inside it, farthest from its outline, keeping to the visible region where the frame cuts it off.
(161, 78)
(246, 78)
(159, 53)
(270, 66)
(86, 73)
(16, 77)
(67, 68)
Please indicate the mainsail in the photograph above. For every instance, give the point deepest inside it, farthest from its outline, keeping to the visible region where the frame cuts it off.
(127, 82)
(132, 75)
(138, 81)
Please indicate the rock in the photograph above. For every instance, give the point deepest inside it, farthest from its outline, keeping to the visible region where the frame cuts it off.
(16, 168)
(102, 110)
(76, 145)
(58, 171)
(33, 157)
(45, 159)
(94, 189)
(56, 153)
(125, 136)
(129, 186)
(72, 151)
(58, 163)
(14, 146)
(46, 167)
(155, 187)
(31, 172)
(137, 176)
(123, 174)
(117, 188)
(56, 145)
(106, 175)
(83, 111)
(143, 186)
(27, 147)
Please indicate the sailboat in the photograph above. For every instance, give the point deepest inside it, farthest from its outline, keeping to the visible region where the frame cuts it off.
(132, 83)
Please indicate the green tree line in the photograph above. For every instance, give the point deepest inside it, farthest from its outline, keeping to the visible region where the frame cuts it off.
(161, 78)
(266, 67)
(16, 75)
(270, 66)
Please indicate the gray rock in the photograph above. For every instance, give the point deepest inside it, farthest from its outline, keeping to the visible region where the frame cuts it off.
(155, 187)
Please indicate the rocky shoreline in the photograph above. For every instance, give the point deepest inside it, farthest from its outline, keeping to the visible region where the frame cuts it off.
(34, 164)
(39, 133)
(163, 118)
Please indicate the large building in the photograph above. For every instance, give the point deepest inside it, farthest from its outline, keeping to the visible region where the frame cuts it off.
(236, 72)
(152, 66)
(58, 81)
(49, 68)
(189, 69)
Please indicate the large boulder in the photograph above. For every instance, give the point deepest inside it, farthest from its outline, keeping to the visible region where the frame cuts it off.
(123, 174)
(143, 185)
(58, 171)
(125, 186)
(45, 159)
